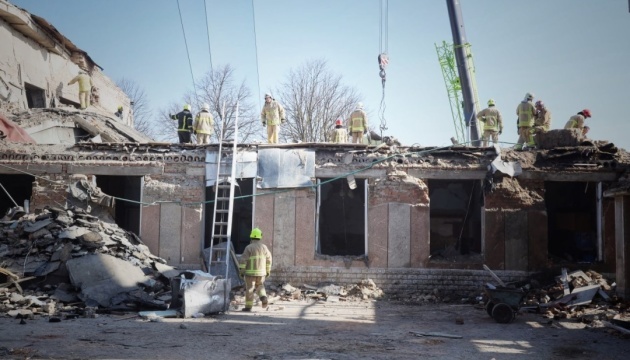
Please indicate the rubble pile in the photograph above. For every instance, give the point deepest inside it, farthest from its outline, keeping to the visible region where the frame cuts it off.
(67, 256)
(363, 290)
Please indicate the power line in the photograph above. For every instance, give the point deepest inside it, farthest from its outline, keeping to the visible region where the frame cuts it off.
(181, 20)
(205, 9)
(256, 46)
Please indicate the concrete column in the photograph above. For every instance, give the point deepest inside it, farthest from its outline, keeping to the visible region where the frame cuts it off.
(622, 237)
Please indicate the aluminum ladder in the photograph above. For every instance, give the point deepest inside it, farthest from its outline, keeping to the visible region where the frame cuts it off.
(221, 254)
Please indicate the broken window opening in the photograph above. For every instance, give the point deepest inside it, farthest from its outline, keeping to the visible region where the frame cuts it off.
(242, 214)
(35, 97)
(341, 220)
(126, 213)
(19, 187)
(455, 220)
(572, 218)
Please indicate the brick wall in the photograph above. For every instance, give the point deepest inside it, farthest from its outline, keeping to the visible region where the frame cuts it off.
(396, 280)
(50, 193)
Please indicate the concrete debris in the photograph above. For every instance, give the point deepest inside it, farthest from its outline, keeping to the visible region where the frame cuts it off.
(66, 256)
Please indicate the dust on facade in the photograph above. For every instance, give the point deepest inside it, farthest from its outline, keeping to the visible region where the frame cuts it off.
(407, 217)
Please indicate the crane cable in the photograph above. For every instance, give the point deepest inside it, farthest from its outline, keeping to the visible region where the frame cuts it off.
(383, 60)
(187, 52)
(256, 47)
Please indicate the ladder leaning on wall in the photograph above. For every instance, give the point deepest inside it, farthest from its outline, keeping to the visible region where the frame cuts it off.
(221, 250)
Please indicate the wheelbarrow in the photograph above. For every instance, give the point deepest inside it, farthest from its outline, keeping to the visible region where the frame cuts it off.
(503, 303)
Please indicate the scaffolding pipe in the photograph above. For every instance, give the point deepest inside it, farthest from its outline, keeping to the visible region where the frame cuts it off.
(459, 41)
(599, 206)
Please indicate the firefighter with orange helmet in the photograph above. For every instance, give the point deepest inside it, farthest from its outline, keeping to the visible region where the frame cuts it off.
(577, 121)
(339, 134)
(254, 266)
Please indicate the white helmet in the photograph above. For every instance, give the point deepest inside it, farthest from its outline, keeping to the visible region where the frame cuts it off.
(360, 105)
(205, 106)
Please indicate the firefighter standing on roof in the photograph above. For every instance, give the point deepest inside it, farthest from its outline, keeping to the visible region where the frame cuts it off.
(272, 115)
(492, 123)
(526, 114)
(254, 266)
(577, 121)
(339, 134)
(184, 124)
(358, 124)
(85, 87)
(203, 125)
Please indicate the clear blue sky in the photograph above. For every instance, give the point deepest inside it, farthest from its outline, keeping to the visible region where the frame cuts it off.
(572, 54)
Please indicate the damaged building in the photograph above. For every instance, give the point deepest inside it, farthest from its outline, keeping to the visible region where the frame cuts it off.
(409, 218)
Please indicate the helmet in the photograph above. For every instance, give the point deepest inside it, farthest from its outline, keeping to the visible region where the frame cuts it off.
(120, 107)
(587, 113)
(360, 105)
(267, 95)
(540, 104)
(491, 102)
(338, 122)
(529, 96)
(205, 106)
(256, 234)
(187, 107)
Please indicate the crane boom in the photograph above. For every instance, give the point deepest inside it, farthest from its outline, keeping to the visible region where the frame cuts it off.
(459, 44)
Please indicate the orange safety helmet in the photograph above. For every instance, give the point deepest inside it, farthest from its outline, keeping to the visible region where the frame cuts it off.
(587, 113)
(338, 122)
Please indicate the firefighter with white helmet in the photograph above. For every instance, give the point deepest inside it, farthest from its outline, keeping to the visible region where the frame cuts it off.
(254, 266)
(358, 124)
(526, 114)
(184, 120)
(272, 115)
(492, 123)
(85, 88)
(339, 134)
(203, 125)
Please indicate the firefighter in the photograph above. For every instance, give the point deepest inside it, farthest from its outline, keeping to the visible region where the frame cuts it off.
(492, 123)
(85, 87)
(526, 114)
(203, 125)
(339, 135)
(184, 124)
(358, 124)
(272, 115)
(542, 121)
(254, 266)
(119, 113)
(577, 121)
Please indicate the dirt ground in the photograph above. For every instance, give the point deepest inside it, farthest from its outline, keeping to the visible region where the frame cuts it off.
(313, 330)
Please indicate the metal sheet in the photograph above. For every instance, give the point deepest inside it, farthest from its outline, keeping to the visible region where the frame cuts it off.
(203, 293)
(245, 165)
(286, 168)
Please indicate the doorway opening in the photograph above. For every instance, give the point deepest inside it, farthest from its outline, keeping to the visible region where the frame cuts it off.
(455, 219)
(242, 214)
(126, 213)
(341, 220)
(19, 187)
(572, 214)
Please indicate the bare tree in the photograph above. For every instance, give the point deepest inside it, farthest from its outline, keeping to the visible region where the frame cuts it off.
(219, 89)
(313, 98)
(166, 129)
(139, 106)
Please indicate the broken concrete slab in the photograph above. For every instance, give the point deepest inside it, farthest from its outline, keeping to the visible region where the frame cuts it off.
(101, 277)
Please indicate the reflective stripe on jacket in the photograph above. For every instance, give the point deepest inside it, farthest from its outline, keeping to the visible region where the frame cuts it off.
(358, 121)
(491, 118)
(575, 122)
(256, 260)
(184, 120)
(204, 123)
(272, 113)
(340, 136)
(526, 113)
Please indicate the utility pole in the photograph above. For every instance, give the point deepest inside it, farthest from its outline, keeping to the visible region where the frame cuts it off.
(459, 43)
